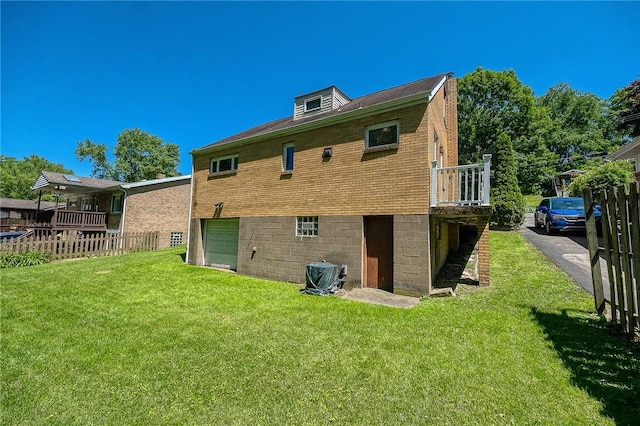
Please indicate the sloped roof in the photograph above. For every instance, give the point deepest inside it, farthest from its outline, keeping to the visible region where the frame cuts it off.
(408, 92)
(13, 203)
(71, 184)
(155, 181)
(630, 150)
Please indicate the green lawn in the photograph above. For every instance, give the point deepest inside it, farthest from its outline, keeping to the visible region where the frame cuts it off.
(532, 201)
(145, 339)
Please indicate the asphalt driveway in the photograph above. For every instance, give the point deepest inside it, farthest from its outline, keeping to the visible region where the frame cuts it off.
(568, 251)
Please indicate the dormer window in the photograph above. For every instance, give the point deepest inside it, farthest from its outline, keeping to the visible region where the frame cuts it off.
(312, 104)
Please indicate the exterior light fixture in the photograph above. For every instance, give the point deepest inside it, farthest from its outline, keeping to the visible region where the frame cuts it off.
(327, 153)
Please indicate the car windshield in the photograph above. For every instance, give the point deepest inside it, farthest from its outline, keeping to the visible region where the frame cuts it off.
(568, 204)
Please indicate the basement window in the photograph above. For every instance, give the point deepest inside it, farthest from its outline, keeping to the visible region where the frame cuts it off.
(307, 226)
(175, 239)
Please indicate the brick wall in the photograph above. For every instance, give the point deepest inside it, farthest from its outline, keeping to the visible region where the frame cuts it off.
(411, 254)
(162, 207)
(440, 239)
(195, 243)
(282, 256)
(483, 251)
(351, 182)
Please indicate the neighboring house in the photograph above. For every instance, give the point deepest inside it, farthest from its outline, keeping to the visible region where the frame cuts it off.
(344, 180)
(100, 205)
(562, 181)
(629, 151)
(17, 214)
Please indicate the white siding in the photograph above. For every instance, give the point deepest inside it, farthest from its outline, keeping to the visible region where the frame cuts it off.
(331, 98)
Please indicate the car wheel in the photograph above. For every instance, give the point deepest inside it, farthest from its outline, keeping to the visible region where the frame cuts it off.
(547, 227)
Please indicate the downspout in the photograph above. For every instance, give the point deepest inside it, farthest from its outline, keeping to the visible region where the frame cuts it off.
(124, 211)
(186, 258)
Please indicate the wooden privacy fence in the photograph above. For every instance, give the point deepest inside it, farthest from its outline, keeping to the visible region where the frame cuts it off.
(621, 240)
(83, 245)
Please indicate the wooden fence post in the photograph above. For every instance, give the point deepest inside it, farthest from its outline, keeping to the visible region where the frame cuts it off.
(594, 251)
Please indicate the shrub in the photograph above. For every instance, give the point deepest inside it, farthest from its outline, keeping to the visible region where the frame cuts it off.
(606, 175)
(506, 198)
(28, 258)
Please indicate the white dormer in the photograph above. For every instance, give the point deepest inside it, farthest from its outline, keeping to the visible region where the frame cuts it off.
(318, 102)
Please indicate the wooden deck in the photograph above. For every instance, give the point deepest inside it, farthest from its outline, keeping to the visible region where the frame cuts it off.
(75, 220)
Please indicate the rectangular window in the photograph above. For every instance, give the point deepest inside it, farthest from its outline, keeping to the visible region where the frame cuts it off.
(116, 204)
(175, 239)
(287, 156)
(224, 164)
(382, 134)
(312, 104)
(307, 226)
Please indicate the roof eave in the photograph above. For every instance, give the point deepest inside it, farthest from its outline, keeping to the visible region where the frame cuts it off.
(418, 98)
(155, 181)
(629, 150)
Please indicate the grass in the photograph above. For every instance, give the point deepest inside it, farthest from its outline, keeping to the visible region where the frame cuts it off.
(145, 339)
(531, 201)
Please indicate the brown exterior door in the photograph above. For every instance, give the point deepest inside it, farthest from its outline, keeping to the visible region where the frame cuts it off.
(378, 234)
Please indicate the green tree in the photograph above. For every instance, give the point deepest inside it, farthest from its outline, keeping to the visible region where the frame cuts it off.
(96, 153)
(579, 128)
(506, 198)
(138, 156)
(606, 175)
(17, 176)
(490, 103)
(495, 102)
(625, 104)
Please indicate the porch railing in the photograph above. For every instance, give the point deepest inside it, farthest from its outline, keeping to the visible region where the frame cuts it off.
(64, 219)
(466, 185)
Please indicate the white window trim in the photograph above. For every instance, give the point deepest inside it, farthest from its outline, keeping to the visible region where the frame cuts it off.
(306, 101)
(234, 164)
(113, 197)
(311, 228)
(380, 126)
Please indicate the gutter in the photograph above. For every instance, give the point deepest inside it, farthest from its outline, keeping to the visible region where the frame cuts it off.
(322, 122)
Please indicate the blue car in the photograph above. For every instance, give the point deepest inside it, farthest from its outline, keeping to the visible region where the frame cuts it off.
(563, 214)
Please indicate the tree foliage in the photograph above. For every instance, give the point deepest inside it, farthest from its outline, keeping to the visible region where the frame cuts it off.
(561, 130)
(579, 125)
(506, 198)
(138, 156)
(491, 103)
(613, 173)
(625, 104)
(17, 176)
(495, 102)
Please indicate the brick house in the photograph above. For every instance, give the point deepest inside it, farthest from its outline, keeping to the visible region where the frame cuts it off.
(100, 205)
(344, 180)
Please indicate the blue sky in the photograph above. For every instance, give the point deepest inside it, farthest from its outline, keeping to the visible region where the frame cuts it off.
(196, 72)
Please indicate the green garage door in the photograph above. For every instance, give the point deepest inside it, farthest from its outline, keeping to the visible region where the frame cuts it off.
(221, 243)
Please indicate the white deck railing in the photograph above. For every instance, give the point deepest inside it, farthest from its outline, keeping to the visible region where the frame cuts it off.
(466, 185)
